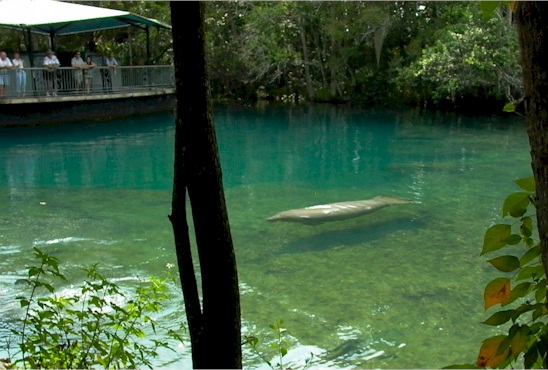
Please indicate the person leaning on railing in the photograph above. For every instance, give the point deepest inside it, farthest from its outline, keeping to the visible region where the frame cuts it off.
(20, 75)
(88, 73)
(51, 63)
(5, 64)
(78, 63)
(109, 72)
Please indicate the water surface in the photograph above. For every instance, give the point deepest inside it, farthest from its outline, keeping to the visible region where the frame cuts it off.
(400, 288)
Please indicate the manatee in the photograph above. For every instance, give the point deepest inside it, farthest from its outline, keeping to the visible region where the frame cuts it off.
(322, 213)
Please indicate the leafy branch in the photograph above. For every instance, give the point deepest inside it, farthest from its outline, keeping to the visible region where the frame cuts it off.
(525, 290)
(88, 329)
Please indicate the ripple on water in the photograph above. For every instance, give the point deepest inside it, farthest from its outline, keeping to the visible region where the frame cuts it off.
(9, 249)
(72, 239)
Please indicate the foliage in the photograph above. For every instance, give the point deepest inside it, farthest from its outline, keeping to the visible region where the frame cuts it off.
(363, 51)
(87, 329)
(129, 44)
(441, 53)
(521, 291)
(471, 57)
(279, 345)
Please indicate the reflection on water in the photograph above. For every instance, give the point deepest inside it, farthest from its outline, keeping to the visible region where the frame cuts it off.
(393, 289)
(109, 154)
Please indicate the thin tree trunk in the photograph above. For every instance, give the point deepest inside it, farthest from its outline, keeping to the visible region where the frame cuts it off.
(214, 325)
(308, 79)
(333, 68)
(532, 22)
(321, 55)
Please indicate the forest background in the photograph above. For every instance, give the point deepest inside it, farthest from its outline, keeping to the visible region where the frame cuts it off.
(437, 55)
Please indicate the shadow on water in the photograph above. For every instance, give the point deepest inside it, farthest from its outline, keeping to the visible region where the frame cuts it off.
(367, 232)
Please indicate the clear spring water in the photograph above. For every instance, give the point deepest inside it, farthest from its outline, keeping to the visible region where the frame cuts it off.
(400, 288)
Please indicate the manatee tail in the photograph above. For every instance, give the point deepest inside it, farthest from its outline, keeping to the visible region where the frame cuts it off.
(391, 201)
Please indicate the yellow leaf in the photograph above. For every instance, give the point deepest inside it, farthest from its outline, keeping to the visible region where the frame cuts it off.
(497, 291)
(488, 352)
(512, 5)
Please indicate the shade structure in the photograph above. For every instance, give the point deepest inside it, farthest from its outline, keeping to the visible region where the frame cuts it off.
(57, 18)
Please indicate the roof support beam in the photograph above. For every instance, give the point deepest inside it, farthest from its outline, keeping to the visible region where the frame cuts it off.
(30, 48)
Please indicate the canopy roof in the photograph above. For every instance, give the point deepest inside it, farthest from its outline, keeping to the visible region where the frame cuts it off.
(58, 18)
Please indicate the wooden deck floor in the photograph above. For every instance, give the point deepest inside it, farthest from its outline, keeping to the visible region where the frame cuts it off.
(93, 96)
(43, 110)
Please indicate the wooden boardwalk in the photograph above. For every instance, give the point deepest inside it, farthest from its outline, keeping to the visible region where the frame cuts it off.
(128, 91)
(86, 97)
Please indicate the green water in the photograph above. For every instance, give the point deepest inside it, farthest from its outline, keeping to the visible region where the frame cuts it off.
(400, 288)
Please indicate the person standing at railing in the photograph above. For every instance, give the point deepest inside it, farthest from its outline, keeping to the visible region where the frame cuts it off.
(5, 64)
(51, 63)
(20, 75)
(109, 72)
(78, 64)
(88, 73)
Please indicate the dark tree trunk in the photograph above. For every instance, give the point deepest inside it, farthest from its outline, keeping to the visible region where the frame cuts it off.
(532, 21)
(214, 324)
(308, 79)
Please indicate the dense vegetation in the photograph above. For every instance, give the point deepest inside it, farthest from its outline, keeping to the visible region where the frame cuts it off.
(429, 53)
(433, 54)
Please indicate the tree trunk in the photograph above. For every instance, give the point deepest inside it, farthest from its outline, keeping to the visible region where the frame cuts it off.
(321, 55)
(532, 22)
(308, 79)
(214, 325)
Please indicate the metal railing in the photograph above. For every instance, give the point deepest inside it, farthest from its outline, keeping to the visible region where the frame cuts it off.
(68, 81)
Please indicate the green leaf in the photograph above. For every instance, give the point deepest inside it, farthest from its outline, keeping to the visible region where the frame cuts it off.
(540, 311)
(526, 227)
(536, 327)
(540, 294)
(494, 237)
(519, 341)
(526, 307)
(509, 107)
(530, 255)
(530, 272)
(505, 263)
(35, 271)
(488, 8)
(283, 351)
(516, 204)
(529, 242)
(506, 342)
(527, 184)
(499, 317)
(462, 366)
(513, 239)
(45, 314)
(531, 356)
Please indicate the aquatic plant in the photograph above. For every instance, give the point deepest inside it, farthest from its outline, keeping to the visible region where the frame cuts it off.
(98, 326)
(280, 345)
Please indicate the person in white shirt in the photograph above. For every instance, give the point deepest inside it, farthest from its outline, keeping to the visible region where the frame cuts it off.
(51, 63)
(78, 64)
(20, 74)
(5, 64)
(109, 72)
